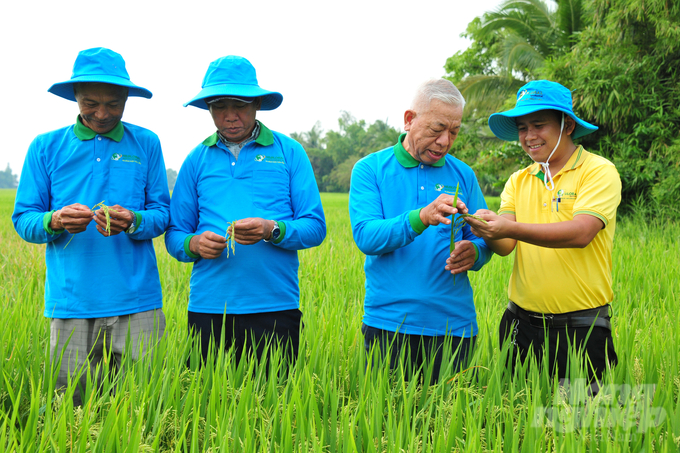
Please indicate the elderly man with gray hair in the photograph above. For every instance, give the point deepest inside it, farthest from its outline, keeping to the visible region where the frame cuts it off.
(418, 296)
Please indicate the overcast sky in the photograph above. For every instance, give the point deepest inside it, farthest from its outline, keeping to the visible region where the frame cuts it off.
(365, 57)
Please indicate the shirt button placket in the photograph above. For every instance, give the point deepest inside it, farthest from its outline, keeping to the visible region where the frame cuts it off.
(99, 155)
(422, 194)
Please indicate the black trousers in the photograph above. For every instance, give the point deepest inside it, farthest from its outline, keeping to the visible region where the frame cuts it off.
(420, 350)
(248, 333)
(598, 346)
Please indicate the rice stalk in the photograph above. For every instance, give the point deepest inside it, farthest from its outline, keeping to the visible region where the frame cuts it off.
(458, 223)
(107, 212)
(231, 240)
(336, 398)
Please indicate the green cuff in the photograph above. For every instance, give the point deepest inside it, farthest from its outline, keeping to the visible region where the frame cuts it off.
(47, 219)
(417, 224)
(282, 228)
(186, 247)
(138, 222)
(476, 252)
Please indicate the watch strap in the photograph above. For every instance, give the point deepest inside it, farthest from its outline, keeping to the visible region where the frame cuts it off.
(274, 233)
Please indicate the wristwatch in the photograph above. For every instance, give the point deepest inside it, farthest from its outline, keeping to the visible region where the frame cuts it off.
(131, 229)
(276, 232)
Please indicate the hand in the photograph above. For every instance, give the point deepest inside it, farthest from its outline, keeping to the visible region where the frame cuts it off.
(73, 218)
(462, 258)
(252, 230)
(494, 229)
(438, 211)
(120, 220)
(208, 245)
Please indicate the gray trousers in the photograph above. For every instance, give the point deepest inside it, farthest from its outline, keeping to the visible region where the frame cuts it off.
(90, 337)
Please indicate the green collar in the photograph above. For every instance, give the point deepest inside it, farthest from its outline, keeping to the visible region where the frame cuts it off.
(405, 158)
(85, 133)
(265, 138)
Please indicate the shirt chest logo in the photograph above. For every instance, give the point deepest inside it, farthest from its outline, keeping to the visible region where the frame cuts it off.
(566, 195)
(269, 159)
(451, 190)
(126, 158)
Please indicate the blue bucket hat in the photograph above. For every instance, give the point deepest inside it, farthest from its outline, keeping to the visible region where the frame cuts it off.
(233, 76)
(532, 97)
(98, 65)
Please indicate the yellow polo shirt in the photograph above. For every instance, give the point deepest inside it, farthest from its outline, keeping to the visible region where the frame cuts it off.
(547, 280)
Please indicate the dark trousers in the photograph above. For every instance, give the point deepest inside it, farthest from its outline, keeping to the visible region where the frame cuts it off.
(248, 333)
(419, 351)
(598, 346)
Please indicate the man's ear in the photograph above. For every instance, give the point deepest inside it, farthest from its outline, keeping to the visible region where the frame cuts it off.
(409, 116)
(569, 125)
(258, 103)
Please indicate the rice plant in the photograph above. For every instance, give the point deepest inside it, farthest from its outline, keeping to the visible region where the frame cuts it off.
(331, 399)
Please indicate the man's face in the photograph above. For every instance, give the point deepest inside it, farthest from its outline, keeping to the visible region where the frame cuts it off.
(431, 133)
(539, 132)
(101, 105)
(235, 119)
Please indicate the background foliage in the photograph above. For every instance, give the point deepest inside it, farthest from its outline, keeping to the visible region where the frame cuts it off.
(624, 71)
(621, 60)
(333, 155)
(8, 180)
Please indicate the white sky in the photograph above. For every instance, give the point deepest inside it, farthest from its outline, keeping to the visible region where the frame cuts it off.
(365, 57)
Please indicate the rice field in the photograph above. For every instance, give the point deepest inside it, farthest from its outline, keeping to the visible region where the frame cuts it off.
(329, 401)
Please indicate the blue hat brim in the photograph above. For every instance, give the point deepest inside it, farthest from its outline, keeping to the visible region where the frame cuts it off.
(270, 99)
(503, 124)
(65, 89)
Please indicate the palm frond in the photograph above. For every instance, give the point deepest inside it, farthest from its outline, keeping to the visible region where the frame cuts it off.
(571, 18)
(531, 19)
(485, 94)
(520, 56)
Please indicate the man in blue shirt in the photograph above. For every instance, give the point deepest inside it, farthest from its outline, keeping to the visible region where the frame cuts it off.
(401, 207)
(261, 183)
(102, 281)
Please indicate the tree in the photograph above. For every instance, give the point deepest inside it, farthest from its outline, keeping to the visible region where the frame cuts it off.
(334, 154)
(624, 72)
(7, 179)
(312, 142)
(311, 139)
(510, 46)
(352, 142)
(620, 58)
(172, 178)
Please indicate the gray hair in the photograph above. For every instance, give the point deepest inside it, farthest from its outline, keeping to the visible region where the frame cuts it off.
(440, 89)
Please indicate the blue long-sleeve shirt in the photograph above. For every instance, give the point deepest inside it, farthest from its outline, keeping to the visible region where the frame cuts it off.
(407, 288)
(272, 179)
(95, 276)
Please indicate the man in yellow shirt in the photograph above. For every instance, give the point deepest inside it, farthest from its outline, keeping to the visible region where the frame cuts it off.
(559, 214)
